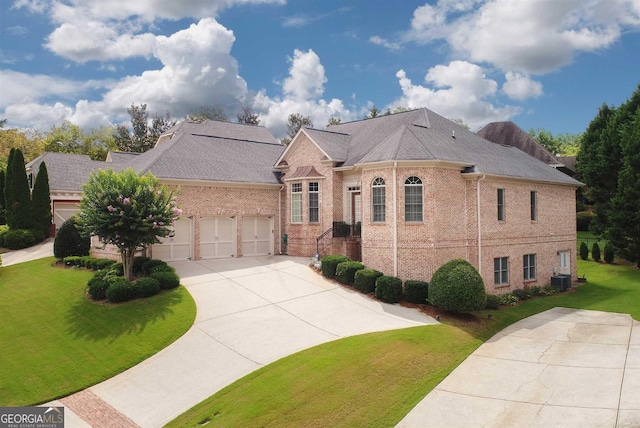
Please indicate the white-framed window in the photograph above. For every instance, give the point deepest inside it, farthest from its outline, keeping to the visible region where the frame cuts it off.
(413, 199)
(378, 202)
(529, 263)
(296, 202)
(501, 271)
(534, 205)
(500, 204)
(314, 202)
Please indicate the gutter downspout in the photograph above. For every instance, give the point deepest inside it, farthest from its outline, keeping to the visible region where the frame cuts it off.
(479, 224)
(280, 217)
(395, 221)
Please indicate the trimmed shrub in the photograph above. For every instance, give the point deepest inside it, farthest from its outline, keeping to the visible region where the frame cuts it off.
(584, 251)
(167, 280)
(68, 241)
(458, 287)
(493, 302)
(120, 290)
(146, 287)
(536, 291)
(521, 294)
(583, 220)
(595, 252)
(148, 265)
(17, 239)
(416, 291)
(388, 289)
(137, 264)
(85, 261)
(509, 299)
(346, 272)
(330, 263)
(609, 253)
(162, 268)
(117, 269)
(103, 263)
(365, 280)
(98, 288)
(71, 261)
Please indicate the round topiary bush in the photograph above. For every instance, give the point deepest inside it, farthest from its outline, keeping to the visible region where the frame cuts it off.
(609, 253)
(148, 265)
(458, 287)
(68, 241)
(365, 280)
(146, 287)
(120, 290)
(167, 280)
(595, 252)
(98, 288)
(388, 289)
(416, 291)
(138, 261)
(346, 271)
(329, 264)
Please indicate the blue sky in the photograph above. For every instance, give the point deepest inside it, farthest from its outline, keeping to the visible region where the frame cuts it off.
(540, 63)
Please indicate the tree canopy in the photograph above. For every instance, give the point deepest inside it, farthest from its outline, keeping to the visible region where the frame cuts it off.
(128, 211)
(558, 145)
(41, 201)
(248, 117)
(295, 121)
(203, 113)
(17, 194)
(70, 138)
(145, 134)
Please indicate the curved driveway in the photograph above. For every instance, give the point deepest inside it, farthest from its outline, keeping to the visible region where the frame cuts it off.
(250, 312)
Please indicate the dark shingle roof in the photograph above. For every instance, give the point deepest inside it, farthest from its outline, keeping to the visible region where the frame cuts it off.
(510, 134)
(424, 135)
(230, 130)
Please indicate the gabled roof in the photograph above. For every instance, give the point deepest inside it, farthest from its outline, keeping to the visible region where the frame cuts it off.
(510, 134)
(229, 130)
(68, 172)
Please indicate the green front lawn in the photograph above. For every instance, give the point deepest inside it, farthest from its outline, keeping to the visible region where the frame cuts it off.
(55, 342)
(376, 379)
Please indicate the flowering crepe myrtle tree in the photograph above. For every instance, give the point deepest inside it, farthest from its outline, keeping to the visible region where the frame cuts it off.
(128, 211)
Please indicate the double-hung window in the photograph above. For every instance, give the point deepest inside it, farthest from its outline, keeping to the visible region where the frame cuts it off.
(378, 201)
(314, 202)
(296, 202)
(413, 199)
(500, 204)
(501, 271)
(534, 205)
(529, 263)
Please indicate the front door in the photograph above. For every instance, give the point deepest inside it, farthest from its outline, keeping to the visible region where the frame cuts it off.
(356, 207)
(564, 260)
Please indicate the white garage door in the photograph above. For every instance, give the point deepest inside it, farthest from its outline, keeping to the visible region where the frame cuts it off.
(257, 236)
(62, 211)
(217, 237)
(177, 247)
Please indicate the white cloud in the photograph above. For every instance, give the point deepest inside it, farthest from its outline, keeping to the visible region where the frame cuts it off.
(37, 116)
(377, 40)
(527, 36)
(20, 88)
(306, 76)
(459, 90)
(520, 86)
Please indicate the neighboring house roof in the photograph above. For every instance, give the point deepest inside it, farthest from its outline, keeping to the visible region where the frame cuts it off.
(68, 172)
(510, 134)
(120, 157)
(569, 163)
(230, 130)
(424, 135)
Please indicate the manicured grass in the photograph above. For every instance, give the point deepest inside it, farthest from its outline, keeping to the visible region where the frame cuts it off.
(54, 342)
(376, 379)
(589, 238)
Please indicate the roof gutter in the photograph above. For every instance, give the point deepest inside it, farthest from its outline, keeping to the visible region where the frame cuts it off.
(395, 221)
(479, 223)
(280, 218)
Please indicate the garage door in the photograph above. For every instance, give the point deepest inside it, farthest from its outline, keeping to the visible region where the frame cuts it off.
(62, 211)
(217, 237)
(177, 247)
(257, 236)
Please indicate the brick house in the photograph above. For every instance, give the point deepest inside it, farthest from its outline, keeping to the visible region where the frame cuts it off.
(404, 193)
(422, 190)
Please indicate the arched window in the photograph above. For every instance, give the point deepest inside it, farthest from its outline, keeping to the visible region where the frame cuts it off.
(378, 202)
(413, 199)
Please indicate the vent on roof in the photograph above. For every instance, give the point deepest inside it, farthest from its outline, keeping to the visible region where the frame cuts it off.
(453, 133)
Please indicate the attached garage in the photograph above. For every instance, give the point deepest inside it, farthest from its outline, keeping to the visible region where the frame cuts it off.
(257, 236)
(179, 246)
(62, 211)
(217, 237)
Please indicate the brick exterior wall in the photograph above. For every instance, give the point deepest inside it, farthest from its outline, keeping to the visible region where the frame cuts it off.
(449, 228)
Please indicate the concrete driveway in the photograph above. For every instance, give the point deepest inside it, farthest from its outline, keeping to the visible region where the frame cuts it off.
(251, 312)
(560, 368)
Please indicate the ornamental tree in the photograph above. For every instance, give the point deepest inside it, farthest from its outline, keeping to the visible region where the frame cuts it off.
(128, 211)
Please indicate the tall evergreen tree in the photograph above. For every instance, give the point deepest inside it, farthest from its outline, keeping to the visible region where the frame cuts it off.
(41, 201)
(2, 216)
(7, 189)
(19, 213)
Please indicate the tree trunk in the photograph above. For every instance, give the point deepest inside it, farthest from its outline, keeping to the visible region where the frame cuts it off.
(127, 262)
